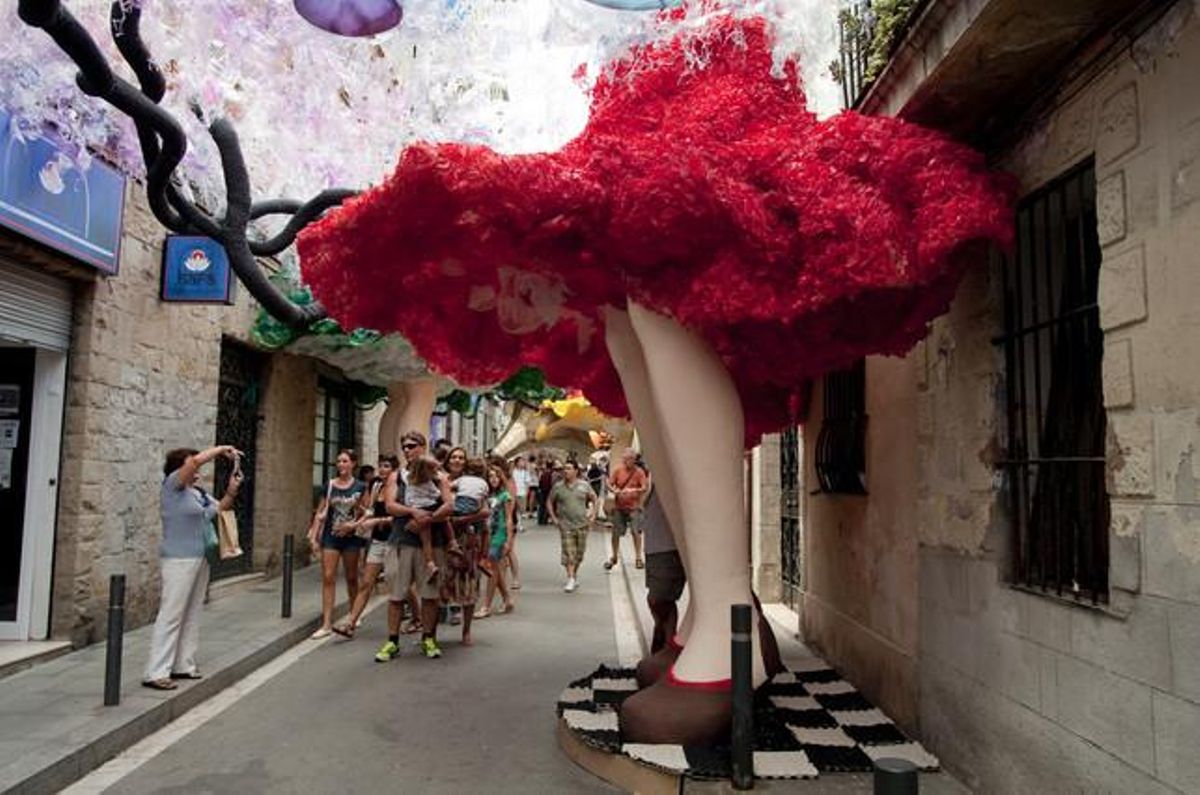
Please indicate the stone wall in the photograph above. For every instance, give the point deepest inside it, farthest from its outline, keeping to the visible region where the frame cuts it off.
(860, 597)
(1022, 692)
(765, 552)
(143, 378)
(283, 501)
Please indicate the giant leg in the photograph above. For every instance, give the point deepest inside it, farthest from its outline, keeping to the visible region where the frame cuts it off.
(697, 412)
(410, 405)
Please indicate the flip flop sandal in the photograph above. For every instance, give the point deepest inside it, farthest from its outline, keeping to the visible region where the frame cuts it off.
(641, 564)
(192, 675)
(160, 684)
(343, 630)
(410, 628)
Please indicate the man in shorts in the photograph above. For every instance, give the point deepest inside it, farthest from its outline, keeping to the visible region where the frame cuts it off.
(405, 564)
(628, 484)
(572, 507)
(665, 576)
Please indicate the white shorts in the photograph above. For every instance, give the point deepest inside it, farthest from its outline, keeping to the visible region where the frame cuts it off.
(377, 552)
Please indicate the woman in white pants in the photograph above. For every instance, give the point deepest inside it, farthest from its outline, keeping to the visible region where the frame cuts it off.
(186, 511)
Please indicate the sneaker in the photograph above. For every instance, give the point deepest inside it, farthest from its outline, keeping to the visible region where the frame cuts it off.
(571, 585)
(430, 648)
(387, 652)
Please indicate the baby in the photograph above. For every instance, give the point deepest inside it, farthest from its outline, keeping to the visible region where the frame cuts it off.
(471, 492)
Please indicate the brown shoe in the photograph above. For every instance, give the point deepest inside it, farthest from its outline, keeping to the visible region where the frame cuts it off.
(685, 713)
(768, 646)
(651, 669)
(160, 684)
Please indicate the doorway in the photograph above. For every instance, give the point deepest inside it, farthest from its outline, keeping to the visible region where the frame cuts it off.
(791, 509)
(32, 385)
(16, 410)
(238, 396)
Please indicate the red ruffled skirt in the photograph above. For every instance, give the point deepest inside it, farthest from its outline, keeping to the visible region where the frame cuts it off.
(705, 192)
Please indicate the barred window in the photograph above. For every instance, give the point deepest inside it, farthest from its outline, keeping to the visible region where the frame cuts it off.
(841, 459)
(334, 426)
(1053, 348)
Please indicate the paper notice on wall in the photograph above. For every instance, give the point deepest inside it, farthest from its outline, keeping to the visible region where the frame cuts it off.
(10, 433)
(10, 399)
(6, 459)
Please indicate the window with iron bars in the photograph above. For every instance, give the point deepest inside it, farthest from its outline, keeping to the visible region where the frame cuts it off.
(840, 454)
(334, 430)
(1053, 346)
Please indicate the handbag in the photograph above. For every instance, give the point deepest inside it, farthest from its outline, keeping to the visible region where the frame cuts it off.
(319, 515)
(610, 500)
(212, 545)
(365, 530)
(227, 532)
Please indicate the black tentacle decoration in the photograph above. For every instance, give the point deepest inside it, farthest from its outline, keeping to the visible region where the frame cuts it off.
(164, 144)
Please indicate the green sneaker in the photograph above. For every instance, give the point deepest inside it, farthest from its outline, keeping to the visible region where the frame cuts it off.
(386, 652)
(430, 648)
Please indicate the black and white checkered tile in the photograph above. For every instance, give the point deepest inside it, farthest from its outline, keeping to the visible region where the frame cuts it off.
(807, 721)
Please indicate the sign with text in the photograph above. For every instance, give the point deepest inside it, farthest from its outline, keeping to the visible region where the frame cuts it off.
(47, 196)
(196, 271)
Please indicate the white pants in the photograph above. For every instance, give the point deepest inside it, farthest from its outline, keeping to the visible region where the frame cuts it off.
(177, 628)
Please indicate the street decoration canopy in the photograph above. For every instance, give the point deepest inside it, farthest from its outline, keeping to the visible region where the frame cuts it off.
(280, 99)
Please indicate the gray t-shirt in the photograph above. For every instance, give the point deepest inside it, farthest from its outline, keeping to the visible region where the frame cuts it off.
(571, 502)
(655, 530)
(185, 513)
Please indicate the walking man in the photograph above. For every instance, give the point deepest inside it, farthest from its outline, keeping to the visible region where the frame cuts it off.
(628, 483)
(572, 507)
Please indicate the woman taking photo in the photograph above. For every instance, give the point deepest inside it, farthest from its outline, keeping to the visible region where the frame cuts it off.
(334, 528)
(378, 526)
(187, 514)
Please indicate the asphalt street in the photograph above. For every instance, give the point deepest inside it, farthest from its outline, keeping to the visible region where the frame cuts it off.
(480, 719)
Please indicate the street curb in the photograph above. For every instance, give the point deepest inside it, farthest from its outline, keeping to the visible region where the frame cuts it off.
(644, 632)
(66, 771)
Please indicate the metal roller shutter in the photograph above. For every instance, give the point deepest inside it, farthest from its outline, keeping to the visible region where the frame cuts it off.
(35, 307)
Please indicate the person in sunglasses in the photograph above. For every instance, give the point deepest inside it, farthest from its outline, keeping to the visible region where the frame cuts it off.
(424, 502)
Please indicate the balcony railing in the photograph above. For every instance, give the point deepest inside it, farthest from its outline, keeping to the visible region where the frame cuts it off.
(869, 31)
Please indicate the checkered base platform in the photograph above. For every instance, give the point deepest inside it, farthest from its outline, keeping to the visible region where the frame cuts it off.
(807, 721)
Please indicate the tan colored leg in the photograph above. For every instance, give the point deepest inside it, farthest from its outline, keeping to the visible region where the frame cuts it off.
(691, 392)
(626, 351)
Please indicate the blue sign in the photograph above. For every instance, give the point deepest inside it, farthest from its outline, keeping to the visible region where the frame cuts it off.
(47, 196)
(196, 270)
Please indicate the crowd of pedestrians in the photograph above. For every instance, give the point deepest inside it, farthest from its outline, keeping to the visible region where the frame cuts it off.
(439, 530)
(433, 527)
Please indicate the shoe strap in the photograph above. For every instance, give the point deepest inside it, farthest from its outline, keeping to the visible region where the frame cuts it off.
(712, 686)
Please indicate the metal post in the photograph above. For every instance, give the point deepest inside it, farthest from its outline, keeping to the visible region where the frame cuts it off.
(289, 554)
(116, 635)
(895, 777)
(742, 753)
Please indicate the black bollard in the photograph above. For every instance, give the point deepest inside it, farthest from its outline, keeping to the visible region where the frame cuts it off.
(116, 636)
(742, 751)
(289, 554)
(895, 777)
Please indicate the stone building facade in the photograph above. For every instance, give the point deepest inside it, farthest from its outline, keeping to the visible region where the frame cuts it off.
(144, 376)
(910, 589)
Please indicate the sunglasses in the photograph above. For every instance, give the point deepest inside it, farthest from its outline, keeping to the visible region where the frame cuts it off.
(409, 446)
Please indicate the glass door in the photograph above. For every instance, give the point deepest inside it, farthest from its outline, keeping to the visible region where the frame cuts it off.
(16, 414)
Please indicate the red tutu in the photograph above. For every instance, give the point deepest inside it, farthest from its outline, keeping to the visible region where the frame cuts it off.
(706, 192)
